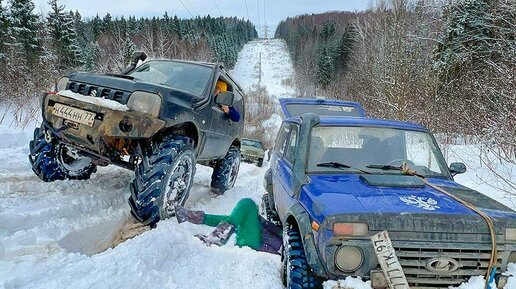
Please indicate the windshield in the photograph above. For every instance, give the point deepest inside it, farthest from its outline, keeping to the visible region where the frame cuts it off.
(252, 143)
(295, 109)
(189, 77)
(368, 148)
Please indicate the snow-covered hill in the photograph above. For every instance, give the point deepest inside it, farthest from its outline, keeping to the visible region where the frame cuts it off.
(277, 71)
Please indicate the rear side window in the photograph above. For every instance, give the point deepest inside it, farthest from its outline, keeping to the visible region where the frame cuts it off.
(291, 147)
(281, 140)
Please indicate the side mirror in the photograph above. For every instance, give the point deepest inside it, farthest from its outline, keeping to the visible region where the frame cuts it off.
(137, 56)
(225, 98)
(457, 168)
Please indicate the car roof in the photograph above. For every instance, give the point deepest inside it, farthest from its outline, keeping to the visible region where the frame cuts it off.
(207, 64)
(363, 122)
(320, 101)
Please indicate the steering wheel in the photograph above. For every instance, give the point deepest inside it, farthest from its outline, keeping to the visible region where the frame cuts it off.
(399, 162)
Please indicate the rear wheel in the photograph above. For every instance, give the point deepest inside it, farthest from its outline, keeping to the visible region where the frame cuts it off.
(163, 179)
(260, 163)
(296, 273)
(225, 171)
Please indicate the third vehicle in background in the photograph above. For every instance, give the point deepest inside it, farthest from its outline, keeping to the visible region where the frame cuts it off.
(252, 151)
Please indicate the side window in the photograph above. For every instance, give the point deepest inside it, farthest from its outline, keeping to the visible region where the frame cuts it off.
(281, 140)
(291, 148)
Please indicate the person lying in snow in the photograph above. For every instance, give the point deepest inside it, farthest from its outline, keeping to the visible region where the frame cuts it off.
(251, 229)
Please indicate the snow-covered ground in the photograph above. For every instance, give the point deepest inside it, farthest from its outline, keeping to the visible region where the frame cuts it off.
(55, 235)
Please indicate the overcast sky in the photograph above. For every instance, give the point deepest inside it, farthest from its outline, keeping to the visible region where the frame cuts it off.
(275, 10)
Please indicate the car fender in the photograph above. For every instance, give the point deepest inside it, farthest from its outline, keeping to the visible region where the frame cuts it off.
(303, 220)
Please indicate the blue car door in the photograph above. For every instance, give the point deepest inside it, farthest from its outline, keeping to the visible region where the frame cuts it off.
(282, 169)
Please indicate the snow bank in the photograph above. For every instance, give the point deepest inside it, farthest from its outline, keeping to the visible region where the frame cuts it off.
(107, 103)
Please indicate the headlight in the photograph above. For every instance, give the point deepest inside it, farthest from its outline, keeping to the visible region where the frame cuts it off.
(350, 229)
(512, 257)
(61, 84)
(510, 234)
(348, 258)
(145, 102)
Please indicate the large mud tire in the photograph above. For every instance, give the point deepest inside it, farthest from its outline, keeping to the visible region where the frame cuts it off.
(296, 273)
(163, 178)
(52, 161)
(225, 171)
(270, 213)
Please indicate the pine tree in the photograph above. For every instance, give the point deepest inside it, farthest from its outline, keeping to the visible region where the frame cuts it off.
(3, 30)
(23, 38)
(63, 36)
(466, 39)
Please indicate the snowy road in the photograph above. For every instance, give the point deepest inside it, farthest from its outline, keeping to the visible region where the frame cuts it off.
(53, 235)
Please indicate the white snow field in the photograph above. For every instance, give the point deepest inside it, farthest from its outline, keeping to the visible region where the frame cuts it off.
(55, 235)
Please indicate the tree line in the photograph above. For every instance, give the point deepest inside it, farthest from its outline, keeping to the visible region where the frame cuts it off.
(37, 48)
(450, 67)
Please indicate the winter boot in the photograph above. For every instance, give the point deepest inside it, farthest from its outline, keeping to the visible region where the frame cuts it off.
(219, 236)
(184, 215)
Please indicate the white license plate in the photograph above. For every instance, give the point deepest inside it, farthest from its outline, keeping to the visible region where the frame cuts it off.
(74, 114)
(390, 264)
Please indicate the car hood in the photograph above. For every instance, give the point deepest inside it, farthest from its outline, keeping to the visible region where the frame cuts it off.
(347, 197)
(113, 82)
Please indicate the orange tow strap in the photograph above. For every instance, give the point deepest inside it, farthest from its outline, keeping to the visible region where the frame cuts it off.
(405, 169)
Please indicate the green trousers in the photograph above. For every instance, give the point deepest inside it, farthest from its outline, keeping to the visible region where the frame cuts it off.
(245, 218)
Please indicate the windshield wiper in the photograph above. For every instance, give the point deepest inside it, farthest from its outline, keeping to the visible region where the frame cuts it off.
(338, 165)
(385, 167)
(395, 168)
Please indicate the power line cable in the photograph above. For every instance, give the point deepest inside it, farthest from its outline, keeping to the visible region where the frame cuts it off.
(246, 10)
(187, 1)
(258, 6)
(186, 9)
(216, 5)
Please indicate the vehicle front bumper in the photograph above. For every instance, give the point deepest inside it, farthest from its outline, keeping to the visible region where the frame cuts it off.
(106, 134)
(251, 157)
(414, 256)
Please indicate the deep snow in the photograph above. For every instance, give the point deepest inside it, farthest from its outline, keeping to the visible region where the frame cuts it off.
(51, 234)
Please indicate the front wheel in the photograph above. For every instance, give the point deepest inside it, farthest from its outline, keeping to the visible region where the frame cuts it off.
(296, 273)
(52, 161)
(163, 179)
(225, 171)
(259, 163)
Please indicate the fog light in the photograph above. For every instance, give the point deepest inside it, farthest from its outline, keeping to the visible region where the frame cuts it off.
(512, 257)
(348, 258)
(125, 125)
(510, 234)
(378, 279)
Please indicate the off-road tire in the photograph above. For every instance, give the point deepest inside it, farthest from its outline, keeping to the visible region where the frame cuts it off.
(270, 213)
(296, 273)
(260, 163)
(163, 163)
(47, 161)
(225, 171)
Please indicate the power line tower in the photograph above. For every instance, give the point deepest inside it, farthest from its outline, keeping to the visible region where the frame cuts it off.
(266, 30)
(260, 69)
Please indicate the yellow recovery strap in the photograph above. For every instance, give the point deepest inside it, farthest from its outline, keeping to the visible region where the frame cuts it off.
(406, 170)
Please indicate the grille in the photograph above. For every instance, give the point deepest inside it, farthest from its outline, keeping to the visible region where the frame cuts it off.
(472, 262)
(97, 91)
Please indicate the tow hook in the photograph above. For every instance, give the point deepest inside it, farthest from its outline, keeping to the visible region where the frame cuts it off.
(48, 136)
